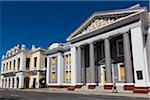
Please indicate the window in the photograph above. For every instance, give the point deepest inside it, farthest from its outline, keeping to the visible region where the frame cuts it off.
(66, 59)
(46, 62)
(69, 76)
(121, 72)
(69, 58)
(35, 61)
(119, 45)
(66, 76)
(14, 64)
(6, 66)
(10, 66)
(27, 63)
(139, 75)
(53, 61)
(53, 76)
(18, 63)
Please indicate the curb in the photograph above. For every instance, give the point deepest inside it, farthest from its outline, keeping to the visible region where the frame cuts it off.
(91, 94)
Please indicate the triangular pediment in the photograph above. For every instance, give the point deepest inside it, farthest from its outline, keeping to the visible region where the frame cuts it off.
(102, 19)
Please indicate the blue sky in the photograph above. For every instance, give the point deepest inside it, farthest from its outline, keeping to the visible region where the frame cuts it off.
(42, 23)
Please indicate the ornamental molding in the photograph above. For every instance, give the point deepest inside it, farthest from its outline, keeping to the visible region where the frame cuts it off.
(101, 20)
(96, 24)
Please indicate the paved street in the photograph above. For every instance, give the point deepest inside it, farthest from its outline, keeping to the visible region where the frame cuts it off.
(26, 95)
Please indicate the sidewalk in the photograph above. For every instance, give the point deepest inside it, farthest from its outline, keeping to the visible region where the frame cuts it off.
(93, 93)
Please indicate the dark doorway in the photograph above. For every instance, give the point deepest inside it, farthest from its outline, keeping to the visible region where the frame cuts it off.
(9, 83)
(13, 82)
(17, 82)
(26, 82)
(34, 82)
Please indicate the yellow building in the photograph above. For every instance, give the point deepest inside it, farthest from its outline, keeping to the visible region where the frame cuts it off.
(23, 67)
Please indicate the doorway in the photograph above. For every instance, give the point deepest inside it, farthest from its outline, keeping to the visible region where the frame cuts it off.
(26, 82)
(103, 74)
(34, 82)
(17, 82)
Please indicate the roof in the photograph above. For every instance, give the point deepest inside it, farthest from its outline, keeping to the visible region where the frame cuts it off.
(105, 16)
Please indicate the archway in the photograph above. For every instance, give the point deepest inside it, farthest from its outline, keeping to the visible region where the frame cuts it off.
(26, 82)
(13, 82)
(17, 82)
(9, 83)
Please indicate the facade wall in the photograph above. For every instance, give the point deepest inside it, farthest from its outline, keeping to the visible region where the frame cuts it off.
(16, 74)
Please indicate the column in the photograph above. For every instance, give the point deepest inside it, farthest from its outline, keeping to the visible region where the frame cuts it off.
(92, 63)
(2, 67)
(10, 82)
(79, 65)
(60, 69)
(48, 71)
(73, 65)
(4, 83)
(68, 67)
(1, 82)
(21, 80)
(83, 69)
(38, 79)
(127, 58)
(23, 62)
(148, 50)
(108, 61)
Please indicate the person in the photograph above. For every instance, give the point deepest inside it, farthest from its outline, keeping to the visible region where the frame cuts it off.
(114, 88)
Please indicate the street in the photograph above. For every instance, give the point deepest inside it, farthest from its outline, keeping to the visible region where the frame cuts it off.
(22, 95)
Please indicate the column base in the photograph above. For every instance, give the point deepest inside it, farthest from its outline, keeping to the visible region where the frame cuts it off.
(128, 87)
(144, 90)
(78, 86)
(58, 86)
(108, 86)
(91, 85)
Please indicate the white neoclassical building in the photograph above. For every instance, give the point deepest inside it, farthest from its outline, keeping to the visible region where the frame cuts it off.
(22, 67)
(109, 47)
(59, 65)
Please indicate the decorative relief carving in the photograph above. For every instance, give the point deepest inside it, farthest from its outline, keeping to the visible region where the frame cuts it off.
(96, 24)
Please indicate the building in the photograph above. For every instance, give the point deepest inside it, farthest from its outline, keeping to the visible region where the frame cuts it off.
(59, 65)
(109, 47)
(23, 67)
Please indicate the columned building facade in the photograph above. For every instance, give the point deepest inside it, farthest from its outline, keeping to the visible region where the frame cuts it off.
(112, 47)
(23, 68)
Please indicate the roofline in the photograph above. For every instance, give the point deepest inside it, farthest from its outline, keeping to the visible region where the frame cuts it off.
(102, 13)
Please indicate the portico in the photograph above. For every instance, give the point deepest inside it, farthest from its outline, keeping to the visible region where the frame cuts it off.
(103, 51)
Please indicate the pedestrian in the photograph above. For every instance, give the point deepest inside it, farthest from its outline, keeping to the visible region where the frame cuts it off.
(114, 88)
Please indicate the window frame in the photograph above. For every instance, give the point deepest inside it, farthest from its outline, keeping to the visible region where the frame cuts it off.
(117, 47)
(119, 77)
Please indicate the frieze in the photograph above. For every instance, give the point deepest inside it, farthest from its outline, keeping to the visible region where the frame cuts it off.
(96, 24)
